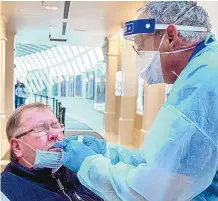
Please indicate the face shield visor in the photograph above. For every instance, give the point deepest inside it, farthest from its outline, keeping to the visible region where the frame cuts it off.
(141, 57)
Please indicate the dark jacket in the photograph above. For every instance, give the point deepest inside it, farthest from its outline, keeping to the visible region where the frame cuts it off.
(20, 184)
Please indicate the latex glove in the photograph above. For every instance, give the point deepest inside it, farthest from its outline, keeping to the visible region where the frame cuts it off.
(97, 145)
(74, 153)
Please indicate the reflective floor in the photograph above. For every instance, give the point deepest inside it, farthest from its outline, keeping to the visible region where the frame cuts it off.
(75, 125)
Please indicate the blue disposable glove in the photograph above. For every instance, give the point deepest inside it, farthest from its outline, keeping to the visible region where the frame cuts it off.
(97, 145)
(74, 153)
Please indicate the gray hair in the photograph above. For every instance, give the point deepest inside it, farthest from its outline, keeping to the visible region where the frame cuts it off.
(185, 13)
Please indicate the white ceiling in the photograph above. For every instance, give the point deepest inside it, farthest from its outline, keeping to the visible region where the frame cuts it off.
(31, 21)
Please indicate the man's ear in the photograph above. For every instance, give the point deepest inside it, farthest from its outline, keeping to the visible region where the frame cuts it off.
(15, 146)
(172, 35)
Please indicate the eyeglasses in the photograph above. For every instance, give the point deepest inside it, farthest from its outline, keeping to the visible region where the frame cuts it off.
(42, 130)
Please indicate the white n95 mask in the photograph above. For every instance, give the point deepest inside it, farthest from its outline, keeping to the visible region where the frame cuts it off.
(152, 73)
(45, 159)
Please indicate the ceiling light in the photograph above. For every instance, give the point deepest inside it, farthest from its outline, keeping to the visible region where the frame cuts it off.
(51, 7)
(80, 30)
(52, 26)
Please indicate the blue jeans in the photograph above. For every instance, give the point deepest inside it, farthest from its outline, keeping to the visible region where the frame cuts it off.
(19, 101)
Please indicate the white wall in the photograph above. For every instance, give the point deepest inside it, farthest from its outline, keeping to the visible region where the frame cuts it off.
(211, 7)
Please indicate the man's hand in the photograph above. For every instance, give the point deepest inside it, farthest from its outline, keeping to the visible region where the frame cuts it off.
(74, 153)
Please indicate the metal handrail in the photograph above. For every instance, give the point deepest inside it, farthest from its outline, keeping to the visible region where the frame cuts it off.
(40, 95)
(43, 96)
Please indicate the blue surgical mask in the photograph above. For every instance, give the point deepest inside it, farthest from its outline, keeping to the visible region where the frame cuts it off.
(45, 159)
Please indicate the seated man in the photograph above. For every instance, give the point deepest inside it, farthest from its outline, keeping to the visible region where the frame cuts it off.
(35, 172)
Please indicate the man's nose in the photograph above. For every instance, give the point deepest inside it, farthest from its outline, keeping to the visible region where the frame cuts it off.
(53, 135)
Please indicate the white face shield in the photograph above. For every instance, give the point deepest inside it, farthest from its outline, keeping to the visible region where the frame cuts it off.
(141, 57)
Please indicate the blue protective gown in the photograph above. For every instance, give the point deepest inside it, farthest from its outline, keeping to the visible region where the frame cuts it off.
(179, 159)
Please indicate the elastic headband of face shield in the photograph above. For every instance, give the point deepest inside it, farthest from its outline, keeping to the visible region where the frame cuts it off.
(149, 26)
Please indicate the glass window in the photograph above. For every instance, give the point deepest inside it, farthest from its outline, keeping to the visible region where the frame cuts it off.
(16, 76)
(99, 53)
(49, 53)
(100, 87)
(19, 74)
(39, 79)
(44, 78)
(82, 49)
(41, 59)
(88, 48)
(45, 91)
(31, 62)
(44, 55)
(60, 78)
(53, 61)
(48, 75)
(23, 68)
(92, 57)
(55, 90)
(58, 70)
(70, 69)
(66, 48)
(64, 88)
(59, 59)
(68, 51)
(64, 69)
(55, 51)
(34, 84)
(66, 77)
(27, 65)
(71, 87)
(78, 85)
(22, 72)
(70, 54)
(52, 72)
(86, 61)
(18, 68)
(63, 54)
(60, 50)
(38, 65)
(81, 65)
(34, 57)
(60, 53)
(75, 50)
(89, 86)
(75, 67)
(48, 61)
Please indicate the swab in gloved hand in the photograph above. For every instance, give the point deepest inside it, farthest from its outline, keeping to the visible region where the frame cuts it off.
(97, 145)
(74, 153)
